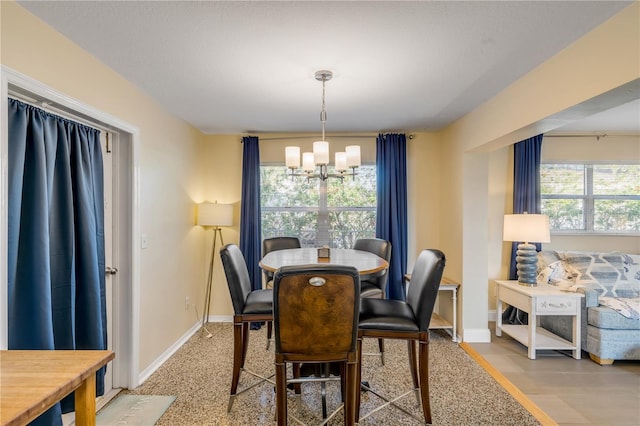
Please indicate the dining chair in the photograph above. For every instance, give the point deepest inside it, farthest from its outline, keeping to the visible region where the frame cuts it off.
(375, 285)
(407, 320)
(273, 244)
(248, 306)
(269, 245)
(316, 309)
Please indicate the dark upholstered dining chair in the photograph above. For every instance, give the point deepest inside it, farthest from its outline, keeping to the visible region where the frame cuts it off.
(269, 245)
(248, 306)
(375, 285)
(395, 319)
(316, 309)
(273, 244)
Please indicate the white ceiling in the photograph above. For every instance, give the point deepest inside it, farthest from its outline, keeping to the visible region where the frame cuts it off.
(248, 66)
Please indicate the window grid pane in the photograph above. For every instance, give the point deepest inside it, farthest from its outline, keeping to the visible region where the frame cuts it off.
(617, 215)
(591, 197)
(568, 179)
(616, 179)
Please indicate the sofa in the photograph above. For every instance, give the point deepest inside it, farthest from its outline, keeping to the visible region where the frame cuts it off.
(610, 283)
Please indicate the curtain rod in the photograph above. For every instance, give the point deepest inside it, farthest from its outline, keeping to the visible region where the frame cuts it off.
(411, 136)
(598, 136)
(51, 108)
(284, 138)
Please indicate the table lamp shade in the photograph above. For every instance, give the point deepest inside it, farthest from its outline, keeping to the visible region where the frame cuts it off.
(529, 228)
(526, 228)
(214, 214)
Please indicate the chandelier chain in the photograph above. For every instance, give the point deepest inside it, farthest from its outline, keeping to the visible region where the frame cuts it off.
(323, 114)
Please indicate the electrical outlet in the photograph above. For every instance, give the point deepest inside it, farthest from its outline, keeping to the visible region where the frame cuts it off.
(187, 303)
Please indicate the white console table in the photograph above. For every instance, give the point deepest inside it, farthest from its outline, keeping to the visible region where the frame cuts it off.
(438, 322)
(536, 301)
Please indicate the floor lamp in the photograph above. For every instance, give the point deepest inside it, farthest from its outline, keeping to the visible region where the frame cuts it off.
(213, 215)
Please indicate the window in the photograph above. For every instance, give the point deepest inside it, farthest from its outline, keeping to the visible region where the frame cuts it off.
(596, 198)
(329, 213)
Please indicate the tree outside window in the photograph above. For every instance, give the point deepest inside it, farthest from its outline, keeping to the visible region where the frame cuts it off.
(333, 212)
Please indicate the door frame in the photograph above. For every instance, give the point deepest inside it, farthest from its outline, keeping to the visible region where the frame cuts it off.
(126, 296)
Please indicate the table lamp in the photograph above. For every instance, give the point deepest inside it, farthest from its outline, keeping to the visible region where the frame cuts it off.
(213, 215)
(526, 228)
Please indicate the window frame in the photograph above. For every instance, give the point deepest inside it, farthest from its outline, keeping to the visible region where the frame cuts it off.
(589, 199)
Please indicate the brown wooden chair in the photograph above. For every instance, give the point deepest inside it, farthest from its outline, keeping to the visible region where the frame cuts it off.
(395, 319)
(316, 310)
(248, 306)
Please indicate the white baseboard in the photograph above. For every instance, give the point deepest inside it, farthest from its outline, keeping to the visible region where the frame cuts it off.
(220, 318)
(477, 335)
(147, 372)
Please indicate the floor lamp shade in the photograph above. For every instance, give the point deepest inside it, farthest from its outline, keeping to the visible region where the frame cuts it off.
(214, 214)
(526, 228)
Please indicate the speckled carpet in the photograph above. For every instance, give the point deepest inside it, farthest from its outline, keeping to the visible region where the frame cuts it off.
(199, 375)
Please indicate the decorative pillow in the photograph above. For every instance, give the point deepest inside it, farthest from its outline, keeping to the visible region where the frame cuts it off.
(628, 307)
(558, 273)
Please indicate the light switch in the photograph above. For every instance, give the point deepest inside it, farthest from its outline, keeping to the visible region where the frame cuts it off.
(144, 243)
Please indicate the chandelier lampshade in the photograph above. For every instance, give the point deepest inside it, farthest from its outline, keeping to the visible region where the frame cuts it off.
(319, 158)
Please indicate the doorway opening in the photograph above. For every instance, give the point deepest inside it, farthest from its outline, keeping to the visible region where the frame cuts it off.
(123, 316)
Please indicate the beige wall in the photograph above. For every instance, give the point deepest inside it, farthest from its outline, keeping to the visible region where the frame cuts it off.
(171, 268)
(272, 145)
(222, 176)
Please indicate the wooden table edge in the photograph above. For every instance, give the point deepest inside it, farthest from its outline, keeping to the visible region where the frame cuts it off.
(31, 413)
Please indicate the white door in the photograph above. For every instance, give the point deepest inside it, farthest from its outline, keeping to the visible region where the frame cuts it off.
(111, 276)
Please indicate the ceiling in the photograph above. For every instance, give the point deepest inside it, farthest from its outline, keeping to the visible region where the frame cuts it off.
(248, 67)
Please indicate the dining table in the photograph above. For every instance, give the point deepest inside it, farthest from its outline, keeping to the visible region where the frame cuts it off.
(365, 262)
(31, 381)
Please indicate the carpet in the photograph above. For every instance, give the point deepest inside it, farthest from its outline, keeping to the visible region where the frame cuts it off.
(138, 410)
(199, 374)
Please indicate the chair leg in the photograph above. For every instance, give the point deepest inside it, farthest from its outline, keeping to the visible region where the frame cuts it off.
(269, 333)
(381, 347)
(424, 379)
(237, 361)
(411, 346)
(245, 342)
(281, 393)
(297, 388)
(353, 389)
(358, 381)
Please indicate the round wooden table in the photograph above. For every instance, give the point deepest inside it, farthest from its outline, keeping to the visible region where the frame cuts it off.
(366, 263)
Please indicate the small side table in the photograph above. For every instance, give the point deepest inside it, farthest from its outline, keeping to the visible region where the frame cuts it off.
(437, 322)
(536, 301)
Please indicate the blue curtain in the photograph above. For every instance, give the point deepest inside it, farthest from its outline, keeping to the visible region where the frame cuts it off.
(526, 198)
(250, 223)
(56, 260)
(391, 222)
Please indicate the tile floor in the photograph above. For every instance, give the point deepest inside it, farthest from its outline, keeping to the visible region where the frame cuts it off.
(572, 392)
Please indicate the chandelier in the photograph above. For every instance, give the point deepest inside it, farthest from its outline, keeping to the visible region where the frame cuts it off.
(350, 159)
